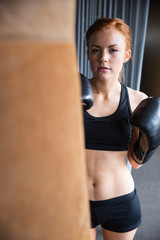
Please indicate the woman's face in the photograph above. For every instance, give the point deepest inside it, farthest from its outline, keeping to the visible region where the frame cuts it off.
(107, 53)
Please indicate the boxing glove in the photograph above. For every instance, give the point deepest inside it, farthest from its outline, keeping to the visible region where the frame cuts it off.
(146, 117)
(87, 95)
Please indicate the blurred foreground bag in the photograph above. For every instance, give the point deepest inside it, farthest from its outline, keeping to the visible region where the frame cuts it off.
(43, 192)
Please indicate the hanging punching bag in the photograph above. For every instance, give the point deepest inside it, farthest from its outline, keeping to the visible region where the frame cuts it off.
(43, 192)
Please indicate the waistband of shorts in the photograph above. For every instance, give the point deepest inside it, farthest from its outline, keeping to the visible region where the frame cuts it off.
(119, 199)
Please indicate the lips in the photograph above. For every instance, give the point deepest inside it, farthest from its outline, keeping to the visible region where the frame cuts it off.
(103, 69)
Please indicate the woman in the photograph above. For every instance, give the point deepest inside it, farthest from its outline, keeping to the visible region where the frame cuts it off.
(108, 134)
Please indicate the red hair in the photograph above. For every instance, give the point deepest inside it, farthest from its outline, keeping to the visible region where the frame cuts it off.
(117, 23)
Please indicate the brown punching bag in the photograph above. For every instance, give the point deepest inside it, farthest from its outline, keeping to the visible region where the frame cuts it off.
(43, 193)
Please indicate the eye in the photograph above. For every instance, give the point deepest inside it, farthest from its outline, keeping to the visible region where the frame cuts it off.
(95, 50)
(113, 50)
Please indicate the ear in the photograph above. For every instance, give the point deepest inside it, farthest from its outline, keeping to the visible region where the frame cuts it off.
(127, 56)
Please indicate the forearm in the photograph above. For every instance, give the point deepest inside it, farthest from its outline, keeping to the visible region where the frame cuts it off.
(135, 136)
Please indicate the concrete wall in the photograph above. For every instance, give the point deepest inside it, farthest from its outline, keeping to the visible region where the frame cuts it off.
(147, 177)
(150, 82)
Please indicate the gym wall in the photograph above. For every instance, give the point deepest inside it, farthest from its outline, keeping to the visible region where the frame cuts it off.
(150, 82)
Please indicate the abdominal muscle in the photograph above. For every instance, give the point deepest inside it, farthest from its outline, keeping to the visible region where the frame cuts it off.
(107, 174)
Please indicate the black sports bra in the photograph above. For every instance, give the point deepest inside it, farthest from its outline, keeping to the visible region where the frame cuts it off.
(113, 132)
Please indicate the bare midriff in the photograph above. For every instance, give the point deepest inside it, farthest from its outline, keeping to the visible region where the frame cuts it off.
(107, 174)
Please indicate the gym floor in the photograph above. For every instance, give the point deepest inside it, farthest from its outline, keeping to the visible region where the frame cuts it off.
(147, 182)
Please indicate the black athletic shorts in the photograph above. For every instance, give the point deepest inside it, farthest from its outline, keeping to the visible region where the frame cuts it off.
(120, 214)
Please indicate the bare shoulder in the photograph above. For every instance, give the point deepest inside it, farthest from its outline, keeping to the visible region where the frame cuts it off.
(135, 97)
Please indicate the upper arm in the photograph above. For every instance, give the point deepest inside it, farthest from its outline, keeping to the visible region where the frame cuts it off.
(135, 97)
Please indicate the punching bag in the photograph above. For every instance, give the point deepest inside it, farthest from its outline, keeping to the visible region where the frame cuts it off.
(43, 193)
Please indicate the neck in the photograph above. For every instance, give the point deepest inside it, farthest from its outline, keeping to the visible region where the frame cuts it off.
(104, 87)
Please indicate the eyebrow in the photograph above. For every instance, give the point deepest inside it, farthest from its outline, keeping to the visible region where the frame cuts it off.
(113, 45)
(95, 46)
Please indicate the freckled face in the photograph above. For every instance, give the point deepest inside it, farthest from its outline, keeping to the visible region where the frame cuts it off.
(107, 53)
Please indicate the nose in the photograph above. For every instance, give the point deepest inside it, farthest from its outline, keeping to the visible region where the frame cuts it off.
(104, 56)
